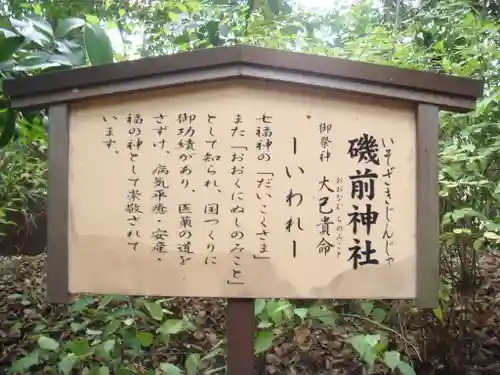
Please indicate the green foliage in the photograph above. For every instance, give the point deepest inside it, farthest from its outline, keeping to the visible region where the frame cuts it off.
(370, 349)
(9, 126)
(107, 335)
(97, 45)
(23, 184)
(110, 333)
(66, 26)
(274, 316)
(30, 45)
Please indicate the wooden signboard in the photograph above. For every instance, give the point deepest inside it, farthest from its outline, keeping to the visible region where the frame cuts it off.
(244, 173)
(242, 190)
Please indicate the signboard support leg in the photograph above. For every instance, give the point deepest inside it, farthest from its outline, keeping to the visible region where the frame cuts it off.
(240, 335)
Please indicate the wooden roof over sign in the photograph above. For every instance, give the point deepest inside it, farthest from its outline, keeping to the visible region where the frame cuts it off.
(448, 92)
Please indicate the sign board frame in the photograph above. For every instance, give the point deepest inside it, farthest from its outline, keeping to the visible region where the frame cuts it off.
(429, 92)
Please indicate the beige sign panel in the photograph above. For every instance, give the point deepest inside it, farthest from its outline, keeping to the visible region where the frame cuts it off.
(243, 190)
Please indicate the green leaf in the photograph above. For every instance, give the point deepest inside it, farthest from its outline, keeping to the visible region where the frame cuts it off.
(109, 345)
(80, 347)
(126, 371)
(364, 345)
(67, 25)
(81, 304)
(155, 310)
(105, 301)
(129, 321)
(35, 36)
(446, 219)
(358, 343)
(274, 312)
(438, 313)
(379, 314)
(478, 244)
(405, 368)
(323, 315)
(264, 324)
(367, 307)
(97, 45)
(112, 327)
(492, 226)
(301, 312)
(172, 326)
(181, 7)
(93, 332)
(392, 359)
(75, 327)
(90, 18)
(6, 32)
(174, 17)
(96, 370)
(145, 338)
(263, 341)
(14, 23)
(170, 369)
(251, 7)
(66, 364)
(48, 343)
(287, 308)
(369, 359)
(259, 306)
(9, 128)
(192, 363)
(37, 8)
(9, 46)
(274, 5)
(379, 348)
(30, 68)
(212, 28)
(41, 24)
(488, 235)
(463, 213)
(372, 340)
(224, 30)
(23, 364)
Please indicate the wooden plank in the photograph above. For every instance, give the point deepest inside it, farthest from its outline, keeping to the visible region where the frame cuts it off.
(427, 206)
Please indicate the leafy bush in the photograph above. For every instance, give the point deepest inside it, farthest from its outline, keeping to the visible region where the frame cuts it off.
(132, 336)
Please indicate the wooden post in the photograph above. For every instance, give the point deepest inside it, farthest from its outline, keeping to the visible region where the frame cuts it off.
(240, 335)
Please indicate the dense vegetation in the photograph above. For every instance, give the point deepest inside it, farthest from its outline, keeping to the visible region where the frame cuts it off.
(114, 334)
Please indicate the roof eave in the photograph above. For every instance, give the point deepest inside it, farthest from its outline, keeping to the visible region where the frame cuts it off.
(244, 55)
(458, 103)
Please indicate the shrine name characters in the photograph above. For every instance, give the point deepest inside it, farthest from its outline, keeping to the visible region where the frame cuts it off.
(331, 201)
(365, 151)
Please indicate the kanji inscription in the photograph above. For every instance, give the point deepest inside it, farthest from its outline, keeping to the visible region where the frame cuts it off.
(241, 190)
